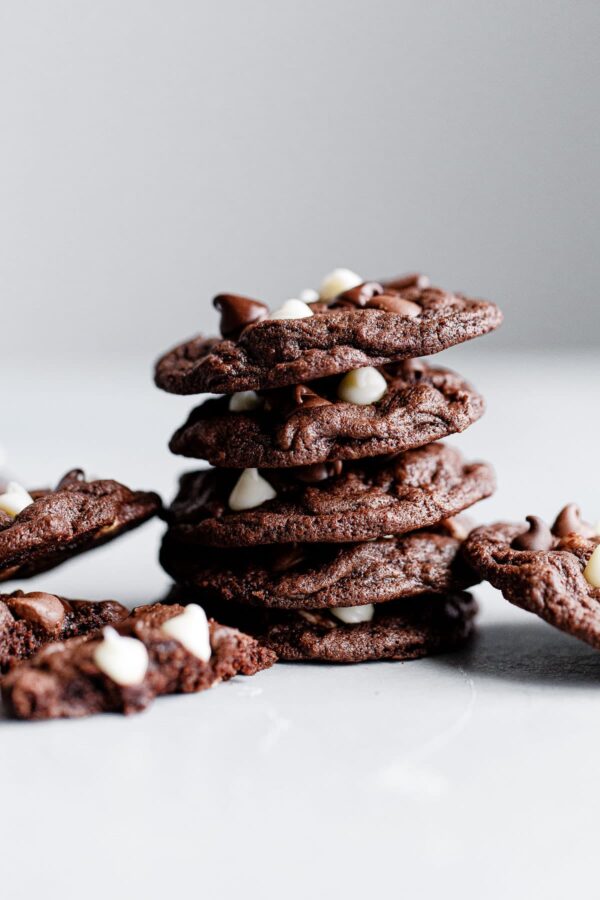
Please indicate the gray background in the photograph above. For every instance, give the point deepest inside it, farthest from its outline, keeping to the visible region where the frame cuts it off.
(154, 153)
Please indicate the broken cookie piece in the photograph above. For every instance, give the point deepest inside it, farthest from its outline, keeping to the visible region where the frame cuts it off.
(29, 621)
(156, 650)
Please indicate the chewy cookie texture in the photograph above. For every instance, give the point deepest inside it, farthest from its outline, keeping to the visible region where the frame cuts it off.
(323, 421)
(358, 502)
(314, 576)
(156, 650)
(327, 528)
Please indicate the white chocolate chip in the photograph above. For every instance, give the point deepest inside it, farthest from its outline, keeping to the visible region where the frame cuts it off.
(362, 386)
(309, 295)
(251, 490)
(337, 282)
(14, 499)
(245, 401)
(123, 659)
(190, 628)
(352, 615)
(292, 309)
(591, 573)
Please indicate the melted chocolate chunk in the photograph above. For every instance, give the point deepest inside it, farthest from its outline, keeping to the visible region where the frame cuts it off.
(45, 611)
(237, 313)
(392, 303)
(357, 296)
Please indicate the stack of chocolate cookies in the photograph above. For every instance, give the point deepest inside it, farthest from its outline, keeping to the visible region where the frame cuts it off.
(327, 527)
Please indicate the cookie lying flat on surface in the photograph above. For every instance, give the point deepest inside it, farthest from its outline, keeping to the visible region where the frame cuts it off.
(398, 630)
(369, 325)
(366, 500)
(29, 621)
(320, 575)
(157, 650)
(309, 424)
(55, 525)
(554, 573)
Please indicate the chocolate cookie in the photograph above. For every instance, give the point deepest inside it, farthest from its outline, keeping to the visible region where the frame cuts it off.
(366, 500)
(370, 325)
(399, 630)
(546, 571)
(308, 424)
(29, 621)
(76, 516)
(70, 679)
(313, 576)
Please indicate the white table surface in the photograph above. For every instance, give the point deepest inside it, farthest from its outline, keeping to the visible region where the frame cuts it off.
(474, 774)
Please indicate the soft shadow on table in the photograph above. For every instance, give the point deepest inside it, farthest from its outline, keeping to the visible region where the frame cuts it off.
(529, 653)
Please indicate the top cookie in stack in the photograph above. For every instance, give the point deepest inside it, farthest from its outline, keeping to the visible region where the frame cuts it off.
(325, 391)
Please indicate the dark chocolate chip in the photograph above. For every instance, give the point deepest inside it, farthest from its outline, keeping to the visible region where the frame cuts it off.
(357, 296)
(537, 537)
(237, 312)
(568, 521)
(394, 304)
(307, 398)
(74, 476)
(402, 282)
(287, 558)
(319, 471)
(42, 610)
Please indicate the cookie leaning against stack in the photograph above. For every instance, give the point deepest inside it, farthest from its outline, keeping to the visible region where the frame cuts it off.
(337, 540)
